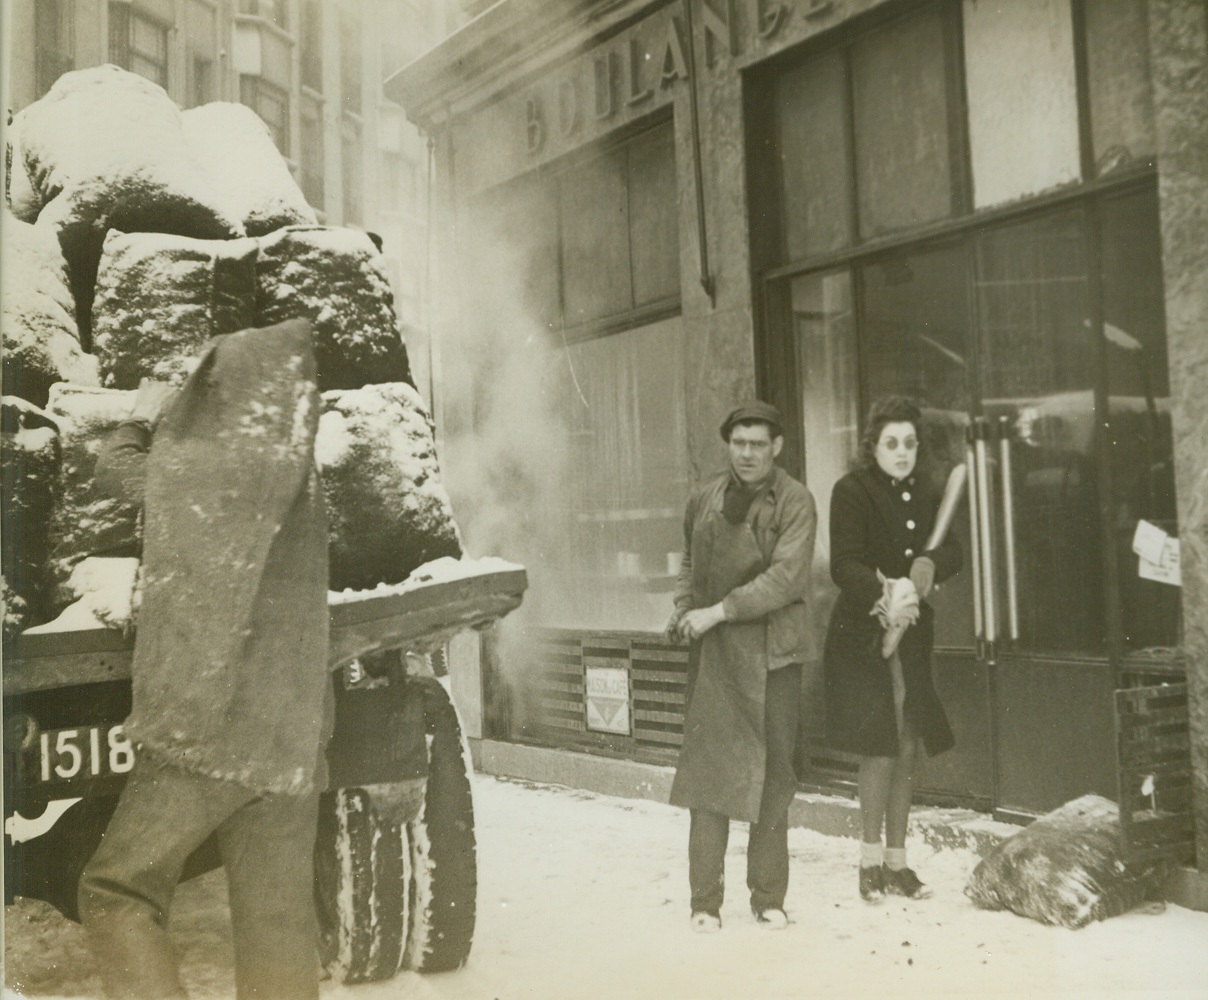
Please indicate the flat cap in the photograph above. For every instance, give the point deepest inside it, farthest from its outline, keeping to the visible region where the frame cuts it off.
(756, 409)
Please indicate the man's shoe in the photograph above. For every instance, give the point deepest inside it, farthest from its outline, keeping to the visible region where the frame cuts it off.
(904, 882)
(771, 919)
(872, 883)
(704, 922)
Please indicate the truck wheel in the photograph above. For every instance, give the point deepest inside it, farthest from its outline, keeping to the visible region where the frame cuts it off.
(362, 880)
(443, 850)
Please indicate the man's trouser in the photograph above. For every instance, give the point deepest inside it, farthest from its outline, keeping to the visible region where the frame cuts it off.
(768, 845)
(267, 847)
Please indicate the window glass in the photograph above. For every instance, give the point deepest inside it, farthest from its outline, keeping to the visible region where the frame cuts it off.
(312, 45)
(916, 343)
(1038, 375)
(653, 217)
(201, 46)
(1023, 111)
(616, 523)
(827, 378)
(595, 238)
(271, 104)
(811, 109)
(312, 152)
(54, 41)
(1139, 425)
(138, 43)
(1121, 92)
(900, 95)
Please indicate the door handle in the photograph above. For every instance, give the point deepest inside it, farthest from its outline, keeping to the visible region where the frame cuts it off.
(975, 488)
(1008, 526)
(983, 517)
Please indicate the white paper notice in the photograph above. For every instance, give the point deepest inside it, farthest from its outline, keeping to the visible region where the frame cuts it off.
(1148, 542)
(1166, 569)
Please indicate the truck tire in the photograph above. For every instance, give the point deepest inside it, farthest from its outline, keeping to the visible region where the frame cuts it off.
(362, 888)
(444, 880)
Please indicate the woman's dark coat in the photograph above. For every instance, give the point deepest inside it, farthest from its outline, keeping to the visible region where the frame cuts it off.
(878, 523)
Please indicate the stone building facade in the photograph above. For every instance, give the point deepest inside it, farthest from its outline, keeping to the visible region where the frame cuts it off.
(650, 210)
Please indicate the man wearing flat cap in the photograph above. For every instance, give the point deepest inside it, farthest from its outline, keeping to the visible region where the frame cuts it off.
(742, 601)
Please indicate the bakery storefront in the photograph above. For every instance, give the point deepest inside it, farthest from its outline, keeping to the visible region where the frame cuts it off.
(657, 209)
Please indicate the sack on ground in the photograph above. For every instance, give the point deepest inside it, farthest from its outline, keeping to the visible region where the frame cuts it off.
(1066, 868)
(161, 298)
(387, 510)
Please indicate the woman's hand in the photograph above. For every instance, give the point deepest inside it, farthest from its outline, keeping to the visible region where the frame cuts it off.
(922, 575)
(149, 403)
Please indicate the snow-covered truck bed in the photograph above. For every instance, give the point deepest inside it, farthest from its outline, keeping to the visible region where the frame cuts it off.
(395, 851)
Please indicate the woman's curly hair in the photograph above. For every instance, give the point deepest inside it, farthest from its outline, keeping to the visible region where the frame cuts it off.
(888, 410)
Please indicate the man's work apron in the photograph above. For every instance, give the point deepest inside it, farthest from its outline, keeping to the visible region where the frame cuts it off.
(721, 762)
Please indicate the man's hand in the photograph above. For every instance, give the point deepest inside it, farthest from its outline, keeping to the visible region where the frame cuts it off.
(671, 631)
(698, 621)
(922, 575)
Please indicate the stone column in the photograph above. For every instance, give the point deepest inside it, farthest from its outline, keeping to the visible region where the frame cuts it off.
(1178, 31)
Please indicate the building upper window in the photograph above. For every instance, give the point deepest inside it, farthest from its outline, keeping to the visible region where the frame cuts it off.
(350, 61)
(312, 45)
(138, 43)
(953, 107)
(201, 52)
(271, 103)
(276, 11)
(54, 36)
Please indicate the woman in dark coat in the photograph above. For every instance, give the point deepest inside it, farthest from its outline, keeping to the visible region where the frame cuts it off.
(880, 519)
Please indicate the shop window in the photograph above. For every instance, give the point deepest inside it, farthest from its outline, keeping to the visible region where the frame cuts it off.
(201, 44)
(54, 41)
(138, 43)
(900, 98)
(915, 342)
(350, 61)
(653, 217)
(312, 45)
(1039, 372)
(1139, 421)
(1023, 109)
(1121, 94)
(618, 521)
(824, 337)
(595, 239)
(271, 103)
(811, 109)
(312, 147)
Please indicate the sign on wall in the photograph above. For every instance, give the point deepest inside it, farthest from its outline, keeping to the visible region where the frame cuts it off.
(607, 691)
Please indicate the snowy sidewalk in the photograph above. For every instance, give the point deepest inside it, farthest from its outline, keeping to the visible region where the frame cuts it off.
(585, 896)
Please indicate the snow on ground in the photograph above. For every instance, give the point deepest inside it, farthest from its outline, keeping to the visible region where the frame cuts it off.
(585, 896)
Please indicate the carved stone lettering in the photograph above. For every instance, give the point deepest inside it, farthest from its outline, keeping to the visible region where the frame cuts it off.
(602, 74)
(769, 17)
(719, 30)
(672, 66)
(568, 107)
(634, 57)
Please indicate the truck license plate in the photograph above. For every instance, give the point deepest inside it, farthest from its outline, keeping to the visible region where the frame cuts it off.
(84, 752)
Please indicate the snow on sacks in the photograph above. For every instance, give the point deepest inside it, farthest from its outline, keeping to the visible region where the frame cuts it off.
(37, 315)
(29, 466)
(83, 522)
(334, 278)
(104, 149)
(160, 298)
(234, 147)
(1066, 868)
(387, 510)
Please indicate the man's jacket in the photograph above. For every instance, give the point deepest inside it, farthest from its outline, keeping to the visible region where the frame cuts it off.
(784, 521)
(230, 673)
